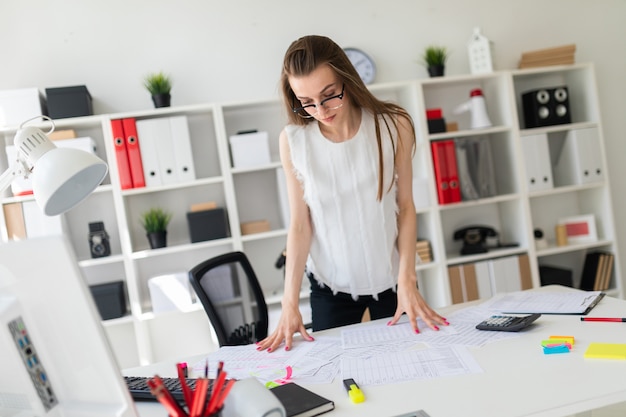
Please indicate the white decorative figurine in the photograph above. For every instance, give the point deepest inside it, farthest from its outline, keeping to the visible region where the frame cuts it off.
(479, 49)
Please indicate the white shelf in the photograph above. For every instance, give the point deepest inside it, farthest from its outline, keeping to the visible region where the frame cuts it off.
(252, 194)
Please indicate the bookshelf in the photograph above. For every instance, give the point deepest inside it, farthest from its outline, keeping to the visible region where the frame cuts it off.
(515, 210)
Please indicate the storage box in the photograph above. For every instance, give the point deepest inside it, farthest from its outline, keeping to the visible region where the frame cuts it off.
(250, 149)
(207, 225)
(69, 102)
(110, 299)
(249, 228)
(17, 106)
(551, 275)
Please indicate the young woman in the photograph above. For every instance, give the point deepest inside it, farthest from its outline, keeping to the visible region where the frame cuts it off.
(348, 161)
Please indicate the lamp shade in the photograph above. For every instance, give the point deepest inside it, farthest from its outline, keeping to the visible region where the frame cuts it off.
(63, 177)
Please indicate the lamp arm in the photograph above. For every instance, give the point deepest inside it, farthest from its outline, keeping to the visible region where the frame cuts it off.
(16, 170)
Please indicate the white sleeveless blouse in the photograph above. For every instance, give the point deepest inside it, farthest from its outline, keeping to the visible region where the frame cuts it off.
(353, 248)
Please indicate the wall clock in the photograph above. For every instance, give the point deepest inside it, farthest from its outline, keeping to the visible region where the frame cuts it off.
(363, 64)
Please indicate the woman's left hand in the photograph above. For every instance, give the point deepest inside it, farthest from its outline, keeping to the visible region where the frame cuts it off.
(411, 302)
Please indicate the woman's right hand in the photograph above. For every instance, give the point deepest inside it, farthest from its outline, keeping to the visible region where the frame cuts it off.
(290, 322)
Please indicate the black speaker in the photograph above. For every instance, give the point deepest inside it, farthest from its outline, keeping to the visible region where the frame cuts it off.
(546, 107)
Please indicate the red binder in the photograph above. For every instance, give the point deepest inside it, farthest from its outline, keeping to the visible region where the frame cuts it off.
(134, 152)
(454, 190)
(441, 174)
(121, 155)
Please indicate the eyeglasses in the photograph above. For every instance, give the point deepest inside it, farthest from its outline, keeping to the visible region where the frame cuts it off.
(329, 103)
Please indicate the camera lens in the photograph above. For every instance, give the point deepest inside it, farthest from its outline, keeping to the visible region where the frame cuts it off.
(98, 249)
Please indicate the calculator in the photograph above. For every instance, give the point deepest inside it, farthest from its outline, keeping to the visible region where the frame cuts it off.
(507, 323)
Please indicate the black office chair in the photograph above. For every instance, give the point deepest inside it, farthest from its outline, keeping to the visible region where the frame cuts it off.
(232, 298)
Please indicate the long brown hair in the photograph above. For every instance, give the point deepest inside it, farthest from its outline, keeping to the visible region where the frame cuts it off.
(305, 55)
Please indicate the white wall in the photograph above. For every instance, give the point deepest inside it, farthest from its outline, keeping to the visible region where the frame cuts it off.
(224, 50)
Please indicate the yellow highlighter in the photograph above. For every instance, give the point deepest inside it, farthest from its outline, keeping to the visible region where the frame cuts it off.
(355, 393)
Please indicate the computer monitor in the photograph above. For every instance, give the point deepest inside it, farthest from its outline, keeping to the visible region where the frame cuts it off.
(55, 360)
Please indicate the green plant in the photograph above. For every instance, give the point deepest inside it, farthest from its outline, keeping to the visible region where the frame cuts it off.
(435, 55)
(158, 83)
(155, 220)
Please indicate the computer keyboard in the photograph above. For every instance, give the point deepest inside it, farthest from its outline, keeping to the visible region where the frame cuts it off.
(139, 390)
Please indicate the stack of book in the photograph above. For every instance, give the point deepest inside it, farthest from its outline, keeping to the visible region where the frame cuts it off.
(560, 55)
(422, 249)
(597, 270)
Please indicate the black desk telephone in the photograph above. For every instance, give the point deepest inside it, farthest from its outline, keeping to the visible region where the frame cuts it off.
(474, 238)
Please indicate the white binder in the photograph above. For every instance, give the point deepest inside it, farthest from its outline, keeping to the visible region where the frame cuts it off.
(183, 154)
(505, 275)
(148, 149)
(537, 162)
(162, 132)
(580, 160)
(483, 279)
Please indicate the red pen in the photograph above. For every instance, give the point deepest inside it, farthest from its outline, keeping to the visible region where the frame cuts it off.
(215, 393)
(614, 319)
(187, 393)
(199, 398)
(220, 400)
(163, 395)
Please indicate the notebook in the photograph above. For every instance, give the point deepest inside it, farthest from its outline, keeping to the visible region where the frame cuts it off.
(300, 402)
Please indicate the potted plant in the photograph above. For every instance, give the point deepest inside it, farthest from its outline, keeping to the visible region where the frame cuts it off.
(159, 85)
(155, 222)
(434, 58)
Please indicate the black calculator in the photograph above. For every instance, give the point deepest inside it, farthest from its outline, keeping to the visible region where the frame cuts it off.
(507, 323)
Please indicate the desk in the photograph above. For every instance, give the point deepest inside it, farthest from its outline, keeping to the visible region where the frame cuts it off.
(518, 378)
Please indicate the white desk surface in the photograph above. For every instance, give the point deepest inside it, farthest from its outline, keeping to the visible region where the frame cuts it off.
(518, 378)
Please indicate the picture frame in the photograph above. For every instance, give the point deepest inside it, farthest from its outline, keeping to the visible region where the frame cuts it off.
(580, 229)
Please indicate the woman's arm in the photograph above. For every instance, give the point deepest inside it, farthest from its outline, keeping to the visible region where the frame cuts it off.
(298, 244)
(410, 300)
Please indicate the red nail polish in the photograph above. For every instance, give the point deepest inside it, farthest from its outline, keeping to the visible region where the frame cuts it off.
(269, 349)
(436, 328)
(417, 331)
(286, 347)
(389, 323)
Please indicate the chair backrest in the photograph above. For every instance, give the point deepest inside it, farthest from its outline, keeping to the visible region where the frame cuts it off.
(232, 298)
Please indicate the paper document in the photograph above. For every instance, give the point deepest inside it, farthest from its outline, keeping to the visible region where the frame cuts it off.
(410, 365)
(522, 302)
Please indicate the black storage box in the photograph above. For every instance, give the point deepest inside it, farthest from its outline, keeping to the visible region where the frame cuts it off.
(436, 125)
(550, 275)
(207, 225)
(110, 299)
(69, 102)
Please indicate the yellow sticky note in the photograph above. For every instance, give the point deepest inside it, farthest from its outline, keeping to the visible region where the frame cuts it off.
(606, 350)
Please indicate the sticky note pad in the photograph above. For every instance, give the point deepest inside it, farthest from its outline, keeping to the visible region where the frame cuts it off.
(606, 350)
(548, 350)
(556, 342)
(569, 339)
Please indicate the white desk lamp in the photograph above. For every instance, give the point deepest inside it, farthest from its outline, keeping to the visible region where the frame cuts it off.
(61, 177)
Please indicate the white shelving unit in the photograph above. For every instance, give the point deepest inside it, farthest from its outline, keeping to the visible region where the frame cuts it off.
(252, 194)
